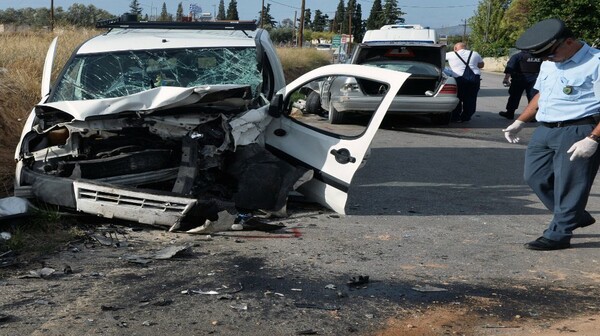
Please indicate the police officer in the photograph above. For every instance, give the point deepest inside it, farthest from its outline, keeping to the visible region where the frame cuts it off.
(561, 160)
(520, 74)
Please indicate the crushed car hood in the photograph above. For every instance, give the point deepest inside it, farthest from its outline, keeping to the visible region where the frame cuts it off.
(146, 102)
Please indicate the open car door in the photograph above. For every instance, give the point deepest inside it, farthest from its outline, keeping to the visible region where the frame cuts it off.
(333, 152)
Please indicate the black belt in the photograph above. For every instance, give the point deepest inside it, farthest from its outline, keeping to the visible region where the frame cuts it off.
(583, 121)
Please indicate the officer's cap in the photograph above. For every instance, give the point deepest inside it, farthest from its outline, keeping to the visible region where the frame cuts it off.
(541, 38)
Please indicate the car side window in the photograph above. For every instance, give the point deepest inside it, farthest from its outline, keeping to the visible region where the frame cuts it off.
(336, 104)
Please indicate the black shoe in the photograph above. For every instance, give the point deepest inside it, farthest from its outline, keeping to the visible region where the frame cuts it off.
(544, 244)
(589, 222)
(509, 116)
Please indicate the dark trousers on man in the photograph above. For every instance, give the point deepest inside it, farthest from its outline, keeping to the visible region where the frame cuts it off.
(467, 99)
(515, 91)
(562, 185)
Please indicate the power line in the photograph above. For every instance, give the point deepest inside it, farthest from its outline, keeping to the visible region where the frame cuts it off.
(285, 5)
(399, 6)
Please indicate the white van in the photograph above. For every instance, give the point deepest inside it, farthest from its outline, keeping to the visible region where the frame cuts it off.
(402, 33)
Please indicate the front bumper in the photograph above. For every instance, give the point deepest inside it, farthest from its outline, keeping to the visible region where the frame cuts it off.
(107, 200)
(400, 105)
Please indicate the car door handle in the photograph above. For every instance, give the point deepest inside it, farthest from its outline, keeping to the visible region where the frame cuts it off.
(343, 156)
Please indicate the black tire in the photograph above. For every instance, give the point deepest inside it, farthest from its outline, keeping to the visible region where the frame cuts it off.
(334, 116)
(441, 118)
(313, 103)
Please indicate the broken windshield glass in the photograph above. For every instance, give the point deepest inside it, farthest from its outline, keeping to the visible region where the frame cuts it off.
(117, 74)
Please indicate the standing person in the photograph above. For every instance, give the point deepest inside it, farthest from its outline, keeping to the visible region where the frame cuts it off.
(465, 65)
(520, 73)
(561, 160)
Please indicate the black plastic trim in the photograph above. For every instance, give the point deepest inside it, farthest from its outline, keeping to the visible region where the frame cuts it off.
(203, 25)
(318, 174)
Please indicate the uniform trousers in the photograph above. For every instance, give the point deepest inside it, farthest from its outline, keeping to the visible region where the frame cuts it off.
(563, 186)
(515, 91)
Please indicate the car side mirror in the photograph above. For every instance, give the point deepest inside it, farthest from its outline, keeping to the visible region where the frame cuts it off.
(276, 107)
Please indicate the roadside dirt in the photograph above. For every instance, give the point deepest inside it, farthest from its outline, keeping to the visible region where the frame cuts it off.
(122, 281)
(449, 321)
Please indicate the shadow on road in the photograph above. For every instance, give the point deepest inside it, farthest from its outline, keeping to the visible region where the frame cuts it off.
(442, 181)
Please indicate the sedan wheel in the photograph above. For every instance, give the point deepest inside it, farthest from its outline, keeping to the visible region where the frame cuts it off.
(334, 116)
(313, 103)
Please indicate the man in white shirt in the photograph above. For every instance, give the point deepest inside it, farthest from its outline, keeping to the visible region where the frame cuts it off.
(467, 83)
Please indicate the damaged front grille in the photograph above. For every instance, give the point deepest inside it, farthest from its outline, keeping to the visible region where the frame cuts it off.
(132, 205)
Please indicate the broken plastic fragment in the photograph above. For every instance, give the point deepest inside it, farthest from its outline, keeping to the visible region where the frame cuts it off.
(41, 273)
(241, 306)
(11, 206)
(428, 288)
(171, 251)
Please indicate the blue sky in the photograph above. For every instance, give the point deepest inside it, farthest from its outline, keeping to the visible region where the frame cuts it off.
(433, 13)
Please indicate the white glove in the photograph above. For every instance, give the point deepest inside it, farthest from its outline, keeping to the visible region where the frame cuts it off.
(510, 133)
(583, 149)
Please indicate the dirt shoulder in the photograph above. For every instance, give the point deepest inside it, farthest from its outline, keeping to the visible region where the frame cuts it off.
(141, 281)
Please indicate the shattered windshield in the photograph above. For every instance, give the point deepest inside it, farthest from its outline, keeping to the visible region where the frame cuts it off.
(110, 75)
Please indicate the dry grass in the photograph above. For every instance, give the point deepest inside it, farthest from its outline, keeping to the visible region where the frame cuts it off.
(296, 61)
(21, 64)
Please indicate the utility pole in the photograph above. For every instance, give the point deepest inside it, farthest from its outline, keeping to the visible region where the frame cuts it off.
(333, 24)
(262, 14)
(51, 15)
(301, 26)
(464, 30)
(295, 33)
(350, 24)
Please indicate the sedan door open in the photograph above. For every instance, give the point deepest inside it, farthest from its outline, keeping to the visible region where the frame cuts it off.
(334, 153)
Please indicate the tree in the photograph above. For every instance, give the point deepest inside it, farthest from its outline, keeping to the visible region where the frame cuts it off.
(164, 15)
(77, 15)
(221, 14)
(354, 12)
(489, 33)
(265, 15)
(375, 19)
(287, 23)
(282, 35)
(338, 19)
(350, 9)
(581, 16)
(135, 8)
(307, 18)
(391, 13)
(516, 19)
(81, 16)
(320, 21)
(358, 27)
(179, 14)
(321, 36)
(232, 12)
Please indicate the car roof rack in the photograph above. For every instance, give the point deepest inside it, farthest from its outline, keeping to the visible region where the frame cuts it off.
(126, 22)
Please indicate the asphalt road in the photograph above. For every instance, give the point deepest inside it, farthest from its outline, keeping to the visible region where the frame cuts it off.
(436, 220)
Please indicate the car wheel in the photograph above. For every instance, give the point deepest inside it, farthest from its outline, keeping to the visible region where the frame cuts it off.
(441, 119)
(313, 103)
(334, 116)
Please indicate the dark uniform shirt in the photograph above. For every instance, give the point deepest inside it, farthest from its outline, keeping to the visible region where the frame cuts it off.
(523, 66)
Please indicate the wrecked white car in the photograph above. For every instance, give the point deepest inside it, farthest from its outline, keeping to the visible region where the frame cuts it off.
(172, 124)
